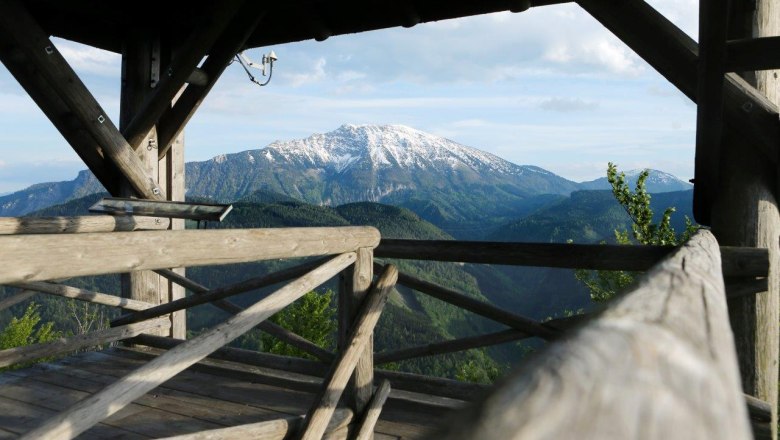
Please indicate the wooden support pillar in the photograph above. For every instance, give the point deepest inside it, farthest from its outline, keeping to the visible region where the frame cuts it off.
(141, 66)
(746, 213)
(351, 296)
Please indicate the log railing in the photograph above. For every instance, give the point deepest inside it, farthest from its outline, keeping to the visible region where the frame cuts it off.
(27, 263)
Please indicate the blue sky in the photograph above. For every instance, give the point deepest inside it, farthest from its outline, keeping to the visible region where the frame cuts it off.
(547, 87)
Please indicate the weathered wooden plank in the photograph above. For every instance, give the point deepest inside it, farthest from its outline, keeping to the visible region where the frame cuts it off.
(336, 381)
(373, 411)
(271, 430)
(269, 327)
(79, 224)
(183, 65)
(157, 208)
(232, 40)
(735, 289)
(19, 27)
(114, 397)
(659, 363)
(60, 346)
(361, 384)
(84, 295)
(29, 257)
(176, 191)
(481, 308)
(737, 261)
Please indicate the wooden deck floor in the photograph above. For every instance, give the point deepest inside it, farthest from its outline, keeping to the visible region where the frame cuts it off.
(209, 395)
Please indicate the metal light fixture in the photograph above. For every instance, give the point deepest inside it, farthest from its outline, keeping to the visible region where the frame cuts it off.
(267, 63)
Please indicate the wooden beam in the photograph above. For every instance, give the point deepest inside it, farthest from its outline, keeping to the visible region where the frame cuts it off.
(749, 287)
(116, 396)
(279, 429)
(336, 381)
(186, 60)
(232, 40)
(468, 343)
(480, 308)
(269, 327)
(366, 430)
(713, 26)
(737, 261)
(119, 206)
(60, 346)
(37, 87)
(29, 257)
(361, 385)
(79, 224)
(639, 370)
(675, 56)
(16, 298)
(753, 54)
(84, 295)
(18, 27)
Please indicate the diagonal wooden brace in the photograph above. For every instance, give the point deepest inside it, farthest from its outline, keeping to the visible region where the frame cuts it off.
(19, 29)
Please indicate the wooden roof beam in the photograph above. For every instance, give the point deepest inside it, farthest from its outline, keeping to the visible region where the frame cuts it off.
(713, 25)
(59, 114)
(753, 54)
(232, 40)
(19, 29)
(675, 55)
(181, 68)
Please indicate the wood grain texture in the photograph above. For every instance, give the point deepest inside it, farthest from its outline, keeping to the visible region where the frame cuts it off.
(29, 257)
(361, 385)
(271, 430)
(659, 363)
(337, 378)
(366, 430)
(79, 224)
(17, 355)
(84, 295)
(113, 398)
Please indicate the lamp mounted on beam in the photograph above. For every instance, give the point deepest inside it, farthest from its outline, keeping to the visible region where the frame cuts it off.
(267, 63)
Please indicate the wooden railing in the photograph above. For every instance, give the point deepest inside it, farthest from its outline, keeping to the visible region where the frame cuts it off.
(671, 333)
(31, 261)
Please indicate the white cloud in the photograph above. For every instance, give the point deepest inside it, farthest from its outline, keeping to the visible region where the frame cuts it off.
(87, 59)
(315, 73)
(567, 105)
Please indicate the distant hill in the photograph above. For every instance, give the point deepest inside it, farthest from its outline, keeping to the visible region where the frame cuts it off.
(657, 182)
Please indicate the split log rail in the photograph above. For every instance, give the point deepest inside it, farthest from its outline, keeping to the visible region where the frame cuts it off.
(351, 250)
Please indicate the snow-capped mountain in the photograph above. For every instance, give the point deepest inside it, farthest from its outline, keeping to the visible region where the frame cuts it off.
(368, 163)
(657, 182)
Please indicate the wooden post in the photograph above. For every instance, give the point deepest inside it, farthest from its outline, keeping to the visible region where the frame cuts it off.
(746, 214)
(140, 72)
(361, 385)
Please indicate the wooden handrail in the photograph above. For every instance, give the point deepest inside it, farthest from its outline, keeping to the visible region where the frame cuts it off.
(643, 362)
(116, 396)
(79, 224)
(84, 295)
(737, 261)
(29, 257)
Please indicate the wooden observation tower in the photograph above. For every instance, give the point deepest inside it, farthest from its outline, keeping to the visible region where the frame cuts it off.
(690, 353)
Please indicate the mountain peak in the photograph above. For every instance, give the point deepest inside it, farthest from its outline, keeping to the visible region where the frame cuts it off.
(657, 181)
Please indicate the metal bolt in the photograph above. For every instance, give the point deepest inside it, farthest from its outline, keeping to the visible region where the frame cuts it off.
(49, 50)
(157, 221)
(101, 119)
(156, 191)
(747, 107)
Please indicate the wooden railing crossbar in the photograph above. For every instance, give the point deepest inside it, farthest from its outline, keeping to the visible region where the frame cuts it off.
(337, 378)
(480, 308)
(80, 224)
(16, 298)
(736, 261)
(277, 331)
(374, 410)
(84, 295)
(116, 396)
(211, 295)
(27, 353)
(468, 343)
